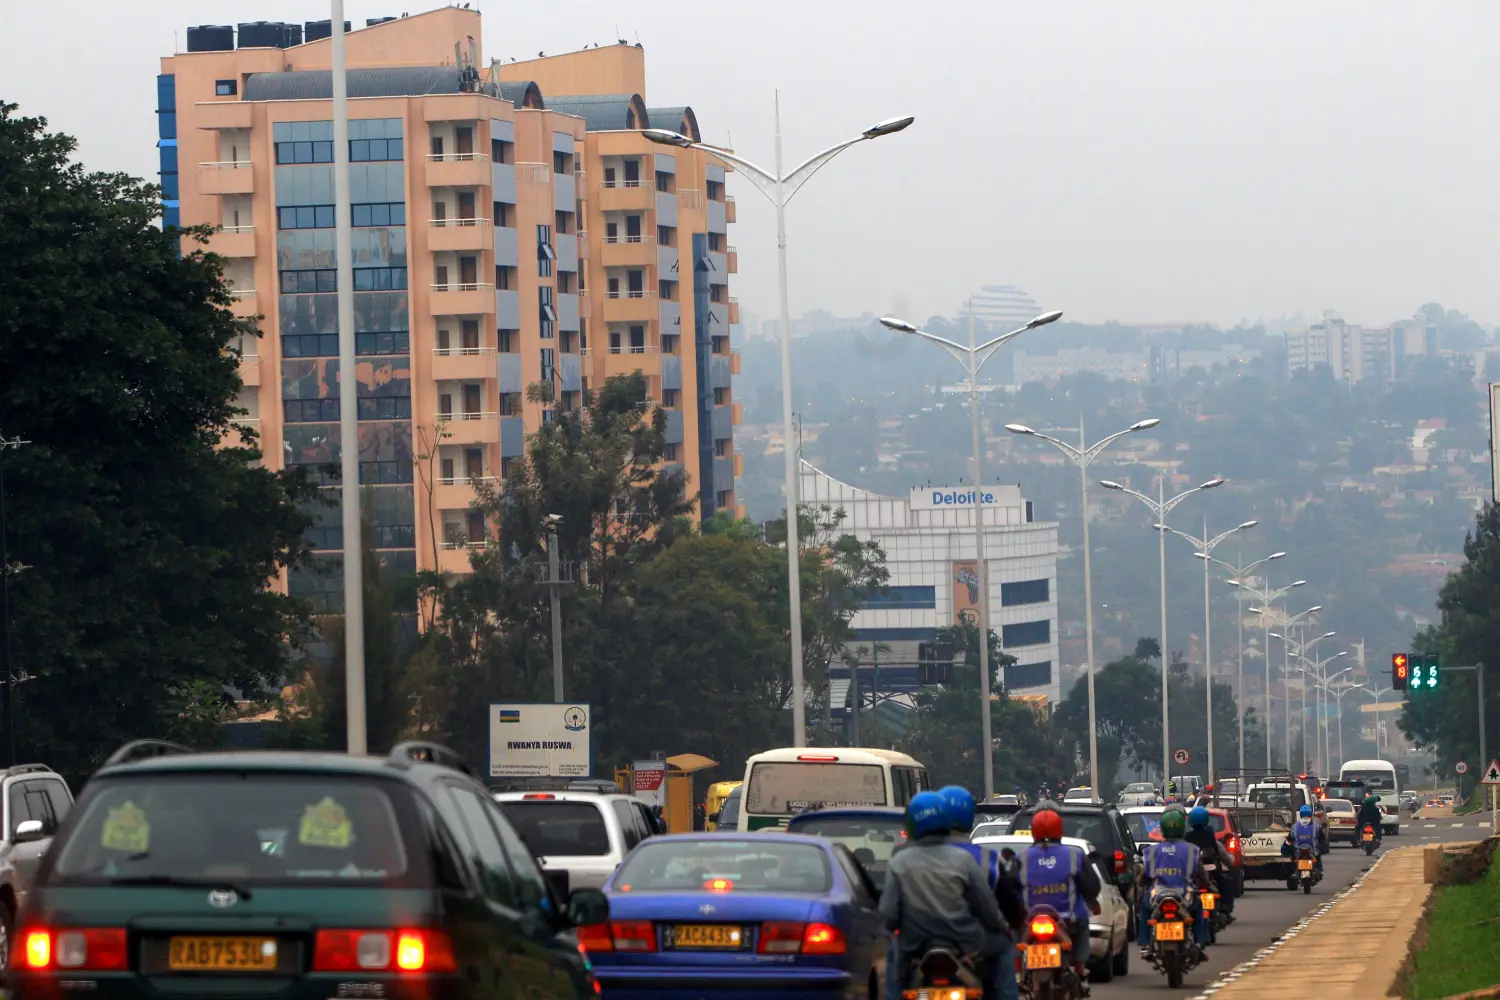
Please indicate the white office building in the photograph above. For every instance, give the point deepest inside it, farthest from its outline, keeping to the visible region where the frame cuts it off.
(928, 539)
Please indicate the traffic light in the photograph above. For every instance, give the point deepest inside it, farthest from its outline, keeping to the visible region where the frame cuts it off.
(1424, 673)
(1399, 671)
(1430, 674)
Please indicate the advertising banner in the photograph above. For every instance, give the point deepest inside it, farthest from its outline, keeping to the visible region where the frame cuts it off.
(539, 740)
(651, 782)
(945, 497)
(966, 592)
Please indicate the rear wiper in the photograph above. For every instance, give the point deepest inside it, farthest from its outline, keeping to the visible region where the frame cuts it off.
(178, 880)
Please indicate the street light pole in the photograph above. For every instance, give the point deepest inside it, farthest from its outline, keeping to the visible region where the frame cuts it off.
(1240, 573)
(1205, 547)
(7, 665)
(1082, 456)
(780, 187)
(973, 358)
(1266, 612)
(1161, 507)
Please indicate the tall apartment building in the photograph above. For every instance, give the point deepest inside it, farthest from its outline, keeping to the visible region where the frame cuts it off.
(508, 230)
(1352, 352)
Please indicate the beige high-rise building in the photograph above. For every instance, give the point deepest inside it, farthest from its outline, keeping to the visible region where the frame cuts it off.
(1353, 353)
(511, 226)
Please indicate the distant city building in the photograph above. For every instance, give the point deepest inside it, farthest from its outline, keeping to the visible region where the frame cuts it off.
(1355, 353)
(818, 321)
(1001, 306)
(1151, 365)
(928, 539)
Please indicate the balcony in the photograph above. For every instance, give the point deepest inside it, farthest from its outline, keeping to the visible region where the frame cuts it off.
(734, 362)
(739, 466)
(226, 177)
(533, 173)
(734, 310)
(627, 307)
(470, 428)
(459, 492)
(729, 212)
(453, 557)
(690, 199)
(461, 170)
(738, 414)
(628, 251)
(624, 360)
(215, 115)
(459, 234)
(455, 107)
(467, 299)
(250, 369)
(243, 302)
(583, 243)
(233, 241)
(625, 196)
(464, 363)
(734, 261)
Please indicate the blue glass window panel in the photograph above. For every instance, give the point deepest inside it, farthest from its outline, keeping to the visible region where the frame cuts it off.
(323, 217)
(169, 186)
(168, 156)
(896, 598)
(166, 125)
(1024, 675)
(166, 92)
(1027, 634)
(1024, 592)
(171, 217)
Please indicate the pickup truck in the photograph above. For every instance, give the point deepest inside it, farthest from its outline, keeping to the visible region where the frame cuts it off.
(1262, 833)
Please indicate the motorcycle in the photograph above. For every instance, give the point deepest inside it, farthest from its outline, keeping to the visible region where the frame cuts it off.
(1172, 949)
(943, 973)
(1045, 958)
(1369, 839)
(1306, 874)
(1218, 918)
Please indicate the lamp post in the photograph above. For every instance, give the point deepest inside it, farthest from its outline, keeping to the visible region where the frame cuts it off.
(1286, 699)
(973, 358)
(780, 187)
(1301, 653)
(1205, 547)
(1240, 572)
(1161, 507)
(1082, 456)
(1339, 698)
(1267, 598)
(1327, 730)
(1377, 695)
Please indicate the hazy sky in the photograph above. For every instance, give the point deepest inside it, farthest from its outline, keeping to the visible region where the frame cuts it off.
(1149, 160)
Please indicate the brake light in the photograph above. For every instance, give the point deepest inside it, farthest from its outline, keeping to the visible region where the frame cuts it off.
(538, 795)
(1119, 862)
(595, 938)
(823, 758)
(1169, 909)
(1043, 927)
(791, 937)
(93, 949)
(633, 935)
(823, 939)
(351, 950)
(1232, 842)
(719, 884)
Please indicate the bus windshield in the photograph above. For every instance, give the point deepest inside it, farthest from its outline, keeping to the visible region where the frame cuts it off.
(791, 787)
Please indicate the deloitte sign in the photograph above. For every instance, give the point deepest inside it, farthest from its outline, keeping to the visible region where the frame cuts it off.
(946, 497)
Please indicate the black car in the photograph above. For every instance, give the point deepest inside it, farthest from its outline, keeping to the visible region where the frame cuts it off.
(299, 875)
(1103, 826)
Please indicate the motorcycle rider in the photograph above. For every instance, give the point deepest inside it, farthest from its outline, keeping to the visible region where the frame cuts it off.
(936, 894)
(1369, 814)
(1060, 876)
(1003, 985)
(1305, 833)
(1171, 864)
(1201, 835)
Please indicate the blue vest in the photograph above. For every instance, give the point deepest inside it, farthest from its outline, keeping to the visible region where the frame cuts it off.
(987, 859)
(1305, 834)
(1171, 864)
(1048, 878)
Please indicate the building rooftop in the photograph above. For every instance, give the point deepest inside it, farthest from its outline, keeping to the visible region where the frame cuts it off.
(317, 84)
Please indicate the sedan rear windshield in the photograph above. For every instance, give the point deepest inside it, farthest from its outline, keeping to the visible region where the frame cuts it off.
(717, 864)
(554, 828)
(253, 827)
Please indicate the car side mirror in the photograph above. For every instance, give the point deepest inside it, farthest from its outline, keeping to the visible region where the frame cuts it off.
(29, 831)
(713, 817)
(588, 906)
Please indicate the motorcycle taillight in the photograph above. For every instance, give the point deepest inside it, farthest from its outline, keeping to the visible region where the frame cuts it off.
(1169, 909)
(1043, 926)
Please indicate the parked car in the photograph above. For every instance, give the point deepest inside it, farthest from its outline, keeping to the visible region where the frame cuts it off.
(36, 801)
(690, 914)
(585, 834)
(1109, 930)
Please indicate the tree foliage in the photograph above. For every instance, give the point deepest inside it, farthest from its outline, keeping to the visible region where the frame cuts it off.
(146, 532)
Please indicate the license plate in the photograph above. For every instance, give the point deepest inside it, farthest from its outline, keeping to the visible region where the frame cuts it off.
(222, 954)
(707, 936)
(1170, 930)
(1043, 956)
(1210, 900)
(1305, 864)
(1369, 836)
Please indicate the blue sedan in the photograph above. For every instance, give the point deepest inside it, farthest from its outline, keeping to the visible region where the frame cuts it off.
(700, 916)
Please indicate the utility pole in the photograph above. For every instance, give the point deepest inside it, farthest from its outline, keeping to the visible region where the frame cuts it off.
(7, 665)
(555, 580)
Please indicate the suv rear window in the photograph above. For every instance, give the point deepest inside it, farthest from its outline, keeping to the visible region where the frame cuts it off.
(555, 828)
(1096, 828)
(247, 826)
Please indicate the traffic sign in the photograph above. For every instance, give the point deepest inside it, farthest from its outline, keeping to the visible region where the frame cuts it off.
(1492, 774)
(1181, 756)
(1461, 767)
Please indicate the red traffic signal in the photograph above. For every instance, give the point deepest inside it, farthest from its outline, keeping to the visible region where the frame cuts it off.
(1399, 671)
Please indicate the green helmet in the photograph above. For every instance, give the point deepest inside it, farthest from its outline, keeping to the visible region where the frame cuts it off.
(1173, 824)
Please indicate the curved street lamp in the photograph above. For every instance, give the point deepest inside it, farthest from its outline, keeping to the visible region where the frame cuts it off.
(1239, 601)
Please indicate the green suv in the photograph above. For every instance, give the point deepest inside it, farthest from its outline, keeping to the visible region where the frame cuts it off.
(300, 875)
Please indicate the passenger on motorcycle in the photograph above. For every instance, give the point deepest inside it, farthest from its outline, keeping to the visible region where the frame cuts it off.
(1060, 876)
(1172, 864)
(961, 819)
(1201, 835)
(935, 894)
(1305, 833)
(1369, 814)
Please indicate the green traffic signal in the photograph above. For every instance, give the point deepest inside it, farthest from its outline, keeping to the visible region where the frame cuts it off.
(1424, 673)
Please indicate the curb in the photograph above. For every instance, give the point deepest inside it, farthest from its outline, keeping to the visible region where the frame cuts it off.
(1249, 964)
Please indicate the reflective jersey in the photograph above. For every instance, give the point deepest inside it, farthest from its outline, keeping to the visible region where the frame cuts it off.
(1305, 834)
(1049, 877)
(987, 858)
(1172, 864)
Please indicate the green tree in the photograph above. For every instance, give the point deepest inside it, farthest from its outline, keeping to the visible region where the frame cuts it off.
(147, 530)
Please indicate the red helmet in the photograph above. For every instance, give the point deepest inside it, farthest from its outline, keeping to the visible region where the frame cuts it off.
(1046, 824)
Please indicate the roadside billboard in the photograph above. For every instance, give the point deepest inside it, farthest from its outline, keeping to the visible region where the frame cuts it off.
(541, 739)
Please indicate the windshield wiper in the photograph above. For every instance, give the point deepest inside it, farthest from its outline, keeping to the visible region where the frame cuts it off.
(187, 881)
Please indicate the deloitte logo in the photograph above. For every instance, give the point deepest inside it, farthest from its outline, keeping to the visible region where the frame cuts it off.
(957, 498)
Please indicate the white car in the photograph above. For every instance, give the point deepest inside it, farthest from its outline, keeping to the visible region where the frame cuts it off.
(1109, 946)
(586, 834)
(1083, 793)
(1139, 793)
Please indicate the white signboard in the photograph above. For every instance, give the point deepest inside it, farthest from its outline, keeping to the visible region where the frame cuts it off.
(651, 782)
(959, 497)
(1495, 441)
(538, 740)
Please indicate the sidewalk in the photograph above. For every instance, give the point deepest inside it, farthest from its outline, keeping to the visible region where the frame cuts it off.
(1350, 948)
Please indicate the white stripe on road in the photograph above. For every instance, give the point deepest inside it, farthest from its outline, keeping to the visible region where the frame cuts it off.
(1456, 825)
(1428, 826)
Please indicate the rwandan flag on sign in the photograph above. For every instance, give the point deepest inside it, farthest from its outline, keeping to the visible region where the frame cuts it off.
(510, 715)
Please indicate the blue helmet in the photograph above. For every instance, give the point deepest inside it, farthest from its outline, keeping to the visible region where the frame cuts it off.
(1305, 812)
(1198, 816)
(960, 806)
(928, 813)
